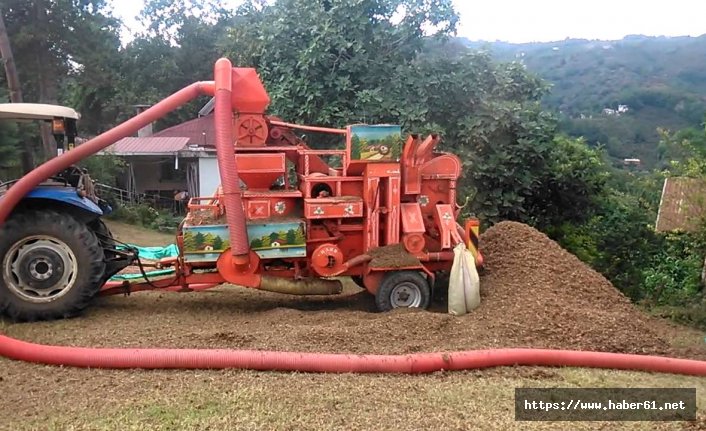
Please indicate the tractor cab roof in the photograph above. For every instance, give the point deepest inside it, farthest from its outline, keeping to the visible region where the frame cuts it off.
(36, 111)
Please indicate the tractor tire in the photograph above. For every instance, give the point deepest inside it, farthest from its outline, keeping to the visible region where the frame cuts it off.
(101, 230)
(51, 266)
(403, 289)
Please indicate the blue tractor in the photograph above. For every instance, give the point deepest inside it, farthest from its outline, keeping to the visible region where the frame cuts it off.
(55, 251)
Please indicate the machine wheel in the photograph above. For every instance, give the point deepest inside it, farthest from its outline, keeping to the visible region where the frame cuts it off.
(51, 266)
(403, 289)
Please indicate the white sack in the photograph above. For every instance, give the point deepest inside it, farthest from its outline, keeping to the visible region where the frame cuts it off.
(464, 282)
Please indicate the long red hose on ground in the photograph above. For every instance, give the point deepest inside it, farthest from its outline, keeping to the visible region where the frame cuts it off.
(284, 361)
(335, 363)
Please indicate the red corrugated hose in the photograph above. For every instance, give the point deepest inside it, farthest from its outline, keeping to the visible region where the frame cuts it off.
(88, 357)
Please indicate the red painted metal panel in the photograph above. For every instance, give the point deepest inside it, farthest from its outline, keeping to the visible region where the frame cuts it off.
(444, 217)
(258, 209)
(446, 166)
(412, 220)
(259, 171)
(250, 96)
(372, 200)
(333, 208)
(393, 210)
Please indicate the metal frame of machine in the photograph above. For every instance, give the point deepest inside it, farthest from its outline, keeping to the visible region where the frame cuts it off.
(379, 210)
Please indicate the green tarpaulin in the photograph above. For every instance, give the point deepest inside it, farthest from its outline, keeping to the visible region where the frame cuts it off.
(149, 253)
(154, 253)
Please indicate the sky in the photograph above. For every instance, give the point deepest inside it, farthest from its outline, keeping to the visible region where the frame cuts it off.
(551, 20)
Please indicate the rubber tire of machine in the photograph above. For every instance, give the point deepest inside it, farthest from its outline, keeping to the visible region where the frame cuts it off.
(89, 259)
(383, 299)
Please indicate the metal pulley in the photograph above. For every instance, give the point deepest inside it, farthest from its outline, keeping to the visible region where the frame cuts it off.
(250, 131)
(327, 260)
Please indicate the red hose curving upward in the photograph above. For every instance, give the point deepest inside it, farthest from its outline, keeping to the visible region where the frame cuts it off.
(225, 151)
(336, 363)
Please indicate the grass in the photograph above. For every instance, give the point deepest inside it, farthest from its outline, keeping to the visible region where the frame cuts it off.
(138, 235)
(216, 400)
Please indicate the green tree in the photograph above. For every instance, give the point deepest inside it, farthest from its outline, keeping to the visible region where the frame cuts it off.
(10, 148)
(105, 169)
(15, 96)
(256, 243)
(208, 239)
(218, 243)
(618, 241)
(355, 147)
(76, 44)
(684, 151)
(300, 237)
(190, 243)
(181, 44)
(329, 62)
(489, 114)
(572, 185)
(291, 237)
(199, 240)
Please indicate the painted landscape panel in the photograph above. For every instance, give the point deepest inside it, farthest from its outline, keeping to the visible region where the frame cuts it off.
(269, 240)
(376, 142)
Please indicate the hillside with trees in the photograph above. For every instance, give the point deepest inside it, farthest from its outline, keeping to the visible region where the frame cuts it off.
(662, 81)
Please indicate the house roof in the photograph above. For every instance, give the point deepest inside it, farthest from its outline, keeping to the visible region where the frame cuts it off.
(682, 206)
(148, 145)
(199, 131)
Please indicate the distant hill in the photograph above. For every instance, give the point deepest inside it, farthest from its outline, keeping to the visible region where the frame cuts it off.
(661, 80)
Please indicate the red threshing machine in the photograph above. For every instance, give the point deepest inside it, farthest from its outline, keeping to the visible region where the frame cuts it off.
(287, 218)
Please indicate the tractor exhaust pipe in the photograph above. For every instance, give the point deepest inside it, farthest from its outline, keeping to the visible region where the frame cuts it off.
(307, 286)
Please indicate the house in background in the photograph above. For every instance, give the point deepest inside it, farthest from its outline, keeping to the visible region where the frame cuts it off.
(179, 158)
(682, 208)
(683, 205)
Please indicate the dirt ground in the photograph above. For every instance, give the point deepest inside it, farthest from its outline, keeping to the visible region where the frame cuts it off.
(534, 295)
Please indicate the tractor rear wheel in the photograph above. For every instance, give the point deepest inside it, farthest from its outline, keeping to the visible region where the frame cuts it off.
(51, 266)
(403, 289)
